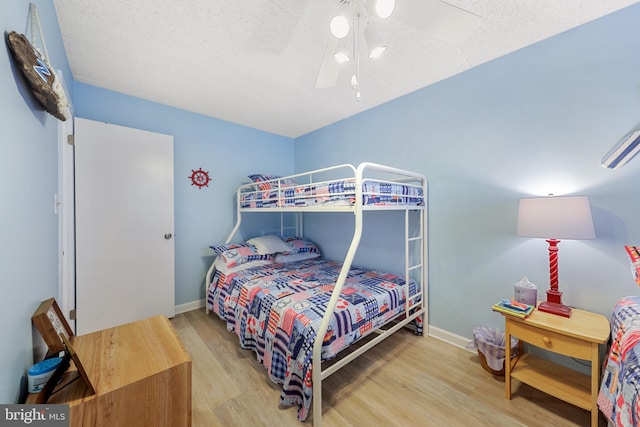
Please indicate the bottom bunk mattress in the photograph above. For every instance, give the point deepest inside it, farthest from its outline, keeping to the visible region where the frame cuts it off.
(276, 310)
(619, 396)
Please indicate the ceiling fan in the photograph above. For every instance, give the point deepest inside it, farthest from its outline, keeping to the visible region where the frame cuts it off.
(365, 19)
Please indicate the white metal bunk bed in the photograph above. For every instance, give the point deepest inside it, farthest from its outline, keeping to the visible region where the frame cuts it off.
(356, 190)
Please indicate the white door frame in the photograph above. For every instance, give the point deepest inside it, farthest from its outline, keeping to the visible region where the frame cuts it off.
(64, 208)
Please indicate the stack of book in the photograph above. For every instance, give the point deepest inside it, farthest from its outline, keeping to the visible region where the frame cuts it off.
(513, 308)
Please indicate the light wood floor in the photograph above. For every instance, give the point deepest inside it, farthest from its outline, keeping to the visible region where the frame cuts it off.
(404, 381)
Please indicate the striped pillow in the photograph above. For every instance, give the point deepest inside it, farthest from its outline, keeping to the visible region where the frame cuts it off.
(299, 246)
(261, 180)
(234, 254)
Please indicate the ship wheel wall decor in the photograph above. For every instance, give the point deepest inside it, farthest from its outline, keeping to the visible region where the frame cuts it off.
(199, 178)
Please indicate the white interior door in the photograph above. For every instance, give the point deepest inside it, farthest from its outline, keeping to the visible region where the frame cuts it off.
(124, 225)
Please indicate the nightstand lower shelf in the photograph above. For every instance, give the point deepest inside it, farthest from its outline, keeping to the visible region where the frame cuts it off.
(558, 381)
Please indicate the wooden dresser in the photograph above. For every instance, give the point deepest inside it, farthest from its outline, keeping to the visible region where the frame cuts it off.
(141, 374)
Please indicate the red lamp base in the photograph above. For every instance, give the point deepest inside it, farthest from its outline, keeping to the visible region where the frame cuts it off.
(554, 304)
(555, 308)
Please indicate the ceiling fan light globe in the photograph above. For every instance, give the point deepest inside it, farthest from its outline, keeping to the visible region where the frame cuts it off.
(384, 8)
(339, 26)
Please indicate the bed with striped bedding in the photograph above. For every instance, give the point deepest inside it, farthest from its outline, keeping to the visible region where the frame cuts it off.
(619, 396)
(296, 314)
(275, 310)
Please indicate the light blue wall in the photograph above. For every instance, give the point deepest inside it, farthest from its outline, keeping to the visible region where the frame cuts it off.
(28, 181)
(229, 152)
(530, 123)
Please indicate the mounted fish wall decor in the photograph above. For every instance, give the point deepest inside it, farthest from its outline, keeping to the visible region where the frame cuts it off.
(34, 64)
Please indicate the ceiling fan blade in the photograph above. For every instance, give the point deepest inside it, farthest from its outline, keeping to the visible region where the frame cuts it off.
(275, 23)
(329, 68)
(438, 18)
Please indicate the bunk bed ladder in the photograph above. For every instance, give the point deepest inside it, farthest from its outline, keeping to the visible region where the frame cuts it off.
(414, 251)
(291, 228)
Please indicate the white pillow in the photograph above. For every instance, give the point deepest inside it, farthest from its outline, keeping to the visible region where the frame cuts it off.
(295, 257)
(269, 244)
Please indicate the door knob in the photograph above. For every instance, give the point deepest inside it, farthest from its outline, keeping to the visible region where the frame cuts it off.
(168, 236)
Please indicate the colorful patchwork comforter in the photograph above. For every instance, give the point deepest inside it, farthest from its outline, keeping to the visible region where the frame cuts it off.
(276, 310)
(618, 397)
(336, 192)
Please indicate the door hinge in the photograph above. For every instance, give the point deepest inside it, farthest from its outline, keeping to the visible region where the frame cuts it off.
(72, 314)
(70, 139)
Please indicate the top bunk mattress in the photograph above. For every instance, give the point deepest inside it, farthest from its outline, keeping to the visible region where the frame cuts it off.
(335, 193)
(381, 187)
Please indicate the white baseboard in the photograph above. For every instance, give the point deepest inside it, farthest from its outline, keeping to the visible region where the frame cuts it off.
(193, 305)
(449, 338)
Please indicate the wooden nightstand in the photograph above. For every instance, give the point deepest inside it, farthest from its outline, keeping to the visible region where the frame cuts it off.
(578, 336)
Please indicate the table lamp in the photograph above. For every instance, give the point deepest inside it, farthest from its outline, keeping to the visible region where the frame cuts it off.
(554, 218)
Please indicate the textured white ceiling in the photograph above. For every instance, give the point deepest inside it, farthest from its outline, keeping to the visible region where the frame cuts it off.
(255, 62)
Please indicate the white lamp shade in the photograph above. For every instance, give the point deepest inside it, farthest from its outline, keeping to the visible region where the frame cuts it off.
(555, 218)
